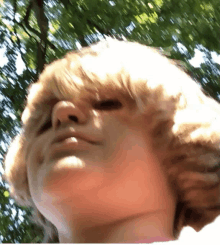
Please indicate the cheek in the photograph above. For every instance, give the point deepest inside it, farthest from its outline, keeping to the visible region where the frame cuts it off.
(37, 150)
(34, 158)
(34, 163)
(32, 173)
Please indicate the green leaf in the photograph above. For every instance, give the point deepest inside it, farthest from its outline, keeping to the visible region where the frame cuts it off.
(6, 194)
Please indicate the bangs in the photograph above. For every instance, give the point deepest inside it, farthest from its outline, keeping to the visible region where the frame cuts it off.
(90, 78)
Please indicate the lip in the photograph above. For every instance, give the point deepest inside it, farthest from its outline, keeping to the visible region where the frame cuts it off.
(63, 136)
(71, 143)
(67, 142)
(67, 147)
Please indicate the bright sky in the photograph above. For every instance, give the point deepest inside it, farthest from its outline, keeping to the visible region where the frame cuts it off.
(208, 235)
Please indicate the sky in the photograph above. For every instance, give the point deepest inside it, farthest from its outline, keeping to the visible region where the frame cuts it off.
(210, 233)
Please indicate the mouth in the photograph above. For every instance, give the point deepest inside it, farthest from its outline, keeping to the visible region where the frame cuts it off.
(70, 142)
(68, 146)
(71, 137)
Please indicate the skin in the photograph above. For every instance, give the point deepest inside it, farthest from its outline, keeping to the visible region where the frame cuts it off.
(114, 190)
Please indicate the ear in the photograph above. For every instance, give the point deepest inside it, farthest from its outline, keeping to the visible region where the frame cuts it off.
(16, 171)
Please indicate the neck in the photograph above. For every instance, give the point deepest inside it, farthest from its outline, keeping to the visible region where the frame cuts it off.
(154, 226)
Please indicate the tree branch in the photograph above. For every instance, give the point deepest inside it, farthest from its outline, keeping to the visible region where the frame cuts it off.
(44, 27)
(28, 12)
(36, 33)
(25, 20)
(16, 34)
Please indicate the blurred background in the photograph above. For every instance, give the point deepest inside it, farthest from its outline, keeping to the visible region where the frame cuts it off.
(35, 32)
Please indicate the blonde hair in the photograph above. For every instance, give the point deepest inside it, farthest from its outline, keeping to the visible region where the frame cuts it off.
(182, 121)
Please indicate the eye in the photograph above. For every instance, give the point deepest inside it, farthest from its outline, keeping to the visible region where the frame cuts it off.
(108, 105)
(45, 127)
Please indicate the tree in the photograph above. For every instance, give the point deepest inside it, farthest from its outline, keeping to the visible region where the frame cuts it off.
(35, 32)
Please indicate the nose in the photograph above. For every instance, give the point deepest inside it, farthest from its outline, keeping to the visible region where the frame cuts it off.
(65, 112)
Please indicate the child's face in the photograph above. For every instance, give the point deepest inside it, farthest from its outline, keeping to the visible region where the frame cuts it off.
(112, 176)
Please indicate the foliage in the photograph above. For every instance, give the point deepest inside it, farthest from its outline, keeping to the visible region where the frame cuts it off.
(35, 32)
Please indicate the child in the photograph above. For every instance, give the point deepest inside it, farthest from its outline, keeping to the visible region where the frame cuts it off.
(117, 145)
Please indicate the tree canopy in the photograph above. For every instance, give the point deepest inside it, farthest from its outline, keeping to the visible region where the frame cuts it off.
(36, 32)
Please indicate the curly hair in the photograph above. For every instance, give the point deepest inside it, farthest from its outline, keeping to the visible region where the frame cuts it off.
(182, 120)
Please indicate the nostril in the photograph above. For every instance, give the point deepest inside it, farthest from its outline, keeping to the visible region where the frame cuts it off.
(73, 118)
